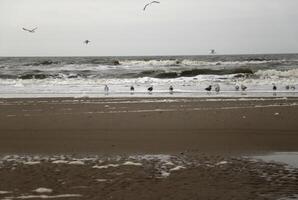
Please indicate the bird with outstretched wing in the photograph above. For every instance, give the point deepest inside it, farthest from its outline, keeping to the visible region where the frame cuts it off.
(152, 2)
(30, 30)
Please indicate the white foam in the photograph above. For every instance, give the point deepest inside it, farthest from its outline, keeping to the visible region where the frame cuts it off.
(132, 163)
(32, 163)
(60, 162)
(43, 190)
(105, 166)
(177, 168)
(222, 163)
(76, 162)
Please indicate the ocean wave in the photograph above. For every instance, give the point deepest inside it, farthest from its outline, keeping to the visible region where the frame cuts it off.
(275, 74)
(189, 62)
(240, 72)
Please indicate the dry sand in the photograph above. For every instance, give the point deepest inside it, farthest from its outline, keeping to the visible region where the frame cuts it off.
(206, 139)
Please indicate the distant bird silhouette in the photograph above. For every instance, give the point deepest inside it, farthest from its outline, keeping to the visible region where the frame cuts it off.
(287, 87)
(87, 42)
(274, 87)
(150, 89)
(30, 30)
(293, 87)
(243, 87)
(209, 88)
(150, 4)
(212, 51)
(171, 89)
(132, 88)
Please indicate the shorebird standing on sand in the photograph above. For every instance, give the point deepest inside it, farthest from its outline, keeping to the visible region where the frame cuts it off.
(132, 88)
(217, 88)
(150, 89)
(152, 2)
(106, 89)
(171, 89)
(243, 87)
(237, 87)
(208, 89)
(30, 30)
(274, 87)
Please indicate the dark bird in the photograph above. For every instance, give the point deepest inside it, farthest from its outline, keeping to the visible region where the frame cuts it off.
(106, 89)
(87, 42)
(132, 88)
(274, 87)
(30, 30)
(150, 4)
(243, 87)
(171, 89)
(287, 87)
(212, 51)
(209, 88)
(150, 89)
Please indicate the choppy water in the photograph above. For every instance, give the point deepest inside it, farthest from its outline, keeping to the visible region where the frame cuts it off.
(189, 75)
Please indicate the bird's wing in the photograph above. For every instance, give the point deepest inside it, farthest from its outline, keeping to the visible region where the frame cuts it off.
(25, 29)
(155, 2)
(146, 6)
(34, 29)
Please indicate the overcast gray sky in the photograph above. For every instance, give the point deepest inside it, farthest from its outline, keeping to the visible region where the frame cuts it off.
(174, 27)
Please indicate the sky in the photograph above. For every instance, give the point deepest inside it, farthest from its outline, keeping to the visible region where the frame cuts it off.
(122, 28)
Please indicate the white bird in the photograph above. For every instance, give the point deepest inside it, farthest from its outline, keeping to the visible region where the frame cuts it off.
(150, 4)
(217, 88)
(30, 30)
(237, 87)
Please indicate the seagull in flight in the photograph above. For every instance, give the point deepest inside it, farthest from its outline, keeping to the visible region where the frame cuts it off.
(30, 30)
(152, 2)
(212, 51)
(87, 41)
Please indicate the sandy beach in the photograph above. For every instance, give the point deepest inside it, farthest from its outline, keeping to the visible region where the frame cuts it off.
(146, 148)
(148, 125)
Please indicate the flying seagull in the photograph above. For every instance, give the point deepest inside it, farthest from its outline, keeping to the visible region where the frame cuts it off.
(87, 41)
(30, 30)
(152, 2)
(212, 51)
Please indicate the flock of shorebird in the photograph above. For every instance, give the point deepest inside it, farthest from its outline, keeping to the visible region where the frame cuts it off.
(216, 88)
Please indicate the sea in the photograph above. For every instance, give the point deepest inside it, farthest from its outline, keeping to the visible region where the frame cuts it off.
(189, 76)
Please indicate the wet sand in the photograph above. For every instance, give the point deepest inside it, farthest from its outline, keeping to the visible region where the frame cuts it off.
(196, 147)
(147, 125)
